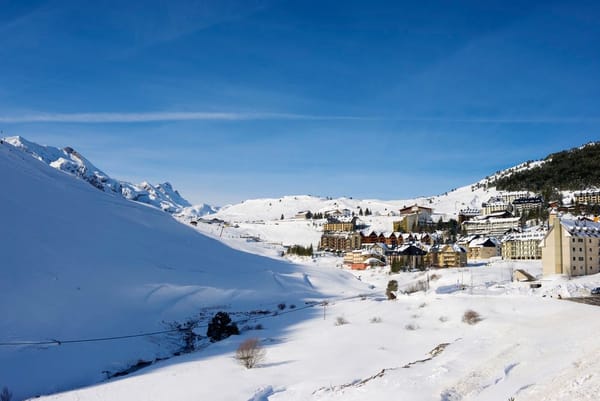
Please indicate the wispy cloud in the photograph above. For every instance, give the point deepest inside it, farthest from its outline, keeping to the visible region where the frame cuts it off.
(141, 117)
(163, 116)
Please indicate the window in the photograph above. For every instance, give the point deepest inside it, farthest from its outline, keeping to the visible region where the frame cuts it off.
(573, 249)
(574, 258)
(580, 258)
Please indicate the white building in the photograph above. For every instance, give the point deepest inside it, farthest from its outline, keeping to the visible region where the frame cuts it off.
(491, 226)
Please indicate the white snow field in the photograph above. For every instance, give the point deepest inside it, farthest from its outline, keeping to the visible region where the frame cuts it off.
(417, 347)
(78, 263)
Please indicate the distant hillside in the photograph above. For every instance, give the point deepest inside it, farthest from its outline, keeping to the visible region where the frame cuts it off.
(573, 169)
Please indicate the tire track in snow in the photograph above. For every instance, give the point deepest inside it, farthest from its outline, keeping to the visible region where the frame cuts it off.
(490, 373)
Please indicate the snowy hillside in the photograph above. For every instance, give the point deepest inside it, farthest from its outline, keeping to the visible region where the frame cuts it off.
(262, 217)
(70, 161)
(78, 263)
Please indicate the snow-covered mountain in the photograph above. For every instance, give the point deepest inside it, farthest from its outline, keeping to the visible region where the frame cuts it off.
(78, 263)
(68, 160)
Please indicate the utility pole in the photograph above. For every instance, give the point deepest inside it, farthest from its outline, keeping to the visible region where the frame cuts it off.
(324, 309)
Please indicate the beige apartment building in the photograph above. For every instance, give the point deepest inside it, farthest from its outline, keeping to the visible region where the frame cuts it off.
(446, 256)
(523, 245)
(483, 248)
(571, 246)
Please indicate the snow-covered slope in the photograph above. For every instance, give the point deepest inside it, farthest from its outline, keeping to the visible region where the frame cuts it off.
(262, 217)
(78, 263)
(72, 162)
(417, 348)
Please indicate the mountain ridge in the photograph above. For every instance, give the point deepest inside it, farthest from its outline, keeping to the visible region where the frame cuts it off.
(68, 160)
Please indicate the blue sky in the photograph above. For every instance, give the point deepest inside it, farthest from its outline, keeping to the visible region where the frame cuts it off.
(230, 100)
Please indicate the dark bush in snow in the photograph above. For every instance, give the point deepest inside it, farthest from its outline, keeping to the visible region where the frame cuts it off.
(391, 288)
(221, 327)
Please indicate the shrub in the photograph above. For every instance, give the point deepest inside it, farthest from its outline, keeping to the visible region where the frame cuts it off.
(250, 353)
(281, 306)
(184, 335)
(434, 277)
(221, 327)
(376, 319)
(392, 287)
(424, 304)
(300, 250)
(340, 321)
(443, 319)
(411, 326)
(471, 317)
(5, 395)
(416, 287)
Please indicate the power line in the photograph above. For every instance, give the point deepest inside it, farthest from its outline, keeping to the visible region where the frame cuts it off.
(153, 333)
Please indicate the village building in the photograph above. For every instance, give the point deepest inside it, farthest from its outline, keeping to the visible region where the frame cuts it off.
(340, 224)
(510, 197)
(571, 246)
(491, 225)
(448, 255)
(525, 204)
(303, 214)
(361, 259)
(393, 239)
(483, 248)
(588, 197)
(467, 214)
(523, 246)
(340, 241)
(408, 256)
(495, 205)
(413, 218)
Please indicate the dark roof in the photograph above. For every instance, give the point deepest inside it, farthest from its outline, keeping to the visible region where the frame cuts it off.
(412, 250)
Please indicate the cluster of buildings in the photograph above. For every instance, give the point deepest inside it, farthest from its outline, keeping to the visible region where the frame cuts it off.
(498, 215)
(566, 244)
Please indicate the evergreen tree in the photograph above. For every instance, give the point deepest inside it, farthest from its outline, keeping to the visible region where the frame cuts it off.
(221, 327)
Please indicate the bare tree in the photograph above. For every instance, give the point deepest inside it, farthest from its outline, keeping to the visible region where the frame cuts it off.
(250, 353)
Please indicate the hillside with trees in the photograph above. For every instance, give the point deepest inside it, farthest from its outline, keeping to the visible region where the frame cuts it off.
(573, 169)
